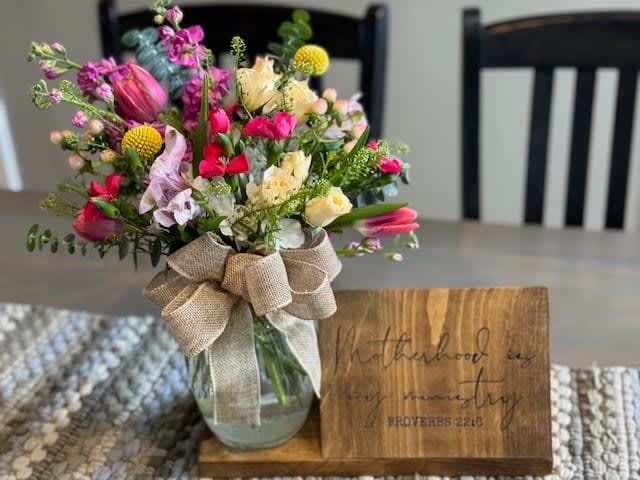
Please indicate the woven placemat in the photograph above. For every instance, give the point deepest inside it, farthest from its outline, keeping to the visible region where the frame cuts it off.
(87, 396)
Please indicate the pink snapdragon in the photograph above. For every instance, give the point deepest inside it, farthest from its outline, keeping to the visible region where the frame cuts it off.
(277, 129)
(388, 224)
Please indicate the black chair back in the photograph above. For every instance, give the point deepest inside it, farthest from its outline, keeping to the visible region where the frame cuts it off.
(345, 37)
(585, 41)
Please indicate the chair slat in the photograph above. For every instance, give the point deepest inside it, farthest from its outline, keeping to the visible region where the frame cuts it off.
(538, 143)
(579, 154)
(621, 148)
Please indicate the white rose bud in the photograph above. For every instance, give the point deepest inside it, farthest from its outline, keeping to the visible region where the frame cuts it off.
(341, 106)
(358, 129)
(347, 147)
(56, 137)
(107, 156)
(330, 94)
(257, 84)
(296, 164)
(75, 161)
(320, 106)
(321, 211)
(95, 126)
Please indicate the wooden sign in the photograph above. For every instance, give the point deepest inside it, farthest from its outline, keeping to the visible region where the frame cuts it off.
(456, 380)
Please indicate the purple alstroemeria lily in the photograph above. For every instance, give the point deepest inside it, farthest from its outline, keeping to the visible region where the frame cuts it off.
(168, 188)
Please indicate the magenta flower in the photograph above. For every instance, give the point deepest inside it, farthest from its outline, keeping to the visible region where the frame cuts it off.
(218, 121)
(167, 34)
(104, 92)
(168, 191)
(280, 128)
(192, 90)
(388, 224)
(389, 165)
(138, 95)
(89, 77)
(174, 15)
(186, 49)
(55, 96)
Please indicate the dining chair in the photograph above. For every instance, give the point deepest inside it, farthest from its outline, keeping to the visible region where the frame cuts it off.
(584, 41)
(345, 37)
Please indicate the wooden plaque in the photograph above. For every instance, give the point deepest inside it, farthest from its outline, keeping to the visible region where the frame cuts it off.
(453, 378)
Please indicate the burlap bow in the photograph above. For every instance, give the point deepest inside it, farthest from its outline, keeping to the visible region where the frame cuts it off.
(205, 297)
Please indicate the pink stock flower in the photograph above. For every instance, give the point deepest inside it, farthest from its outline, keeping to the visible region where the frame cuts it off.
(389, 165)
(218, 121)
(90, 223)
(216, 164)
(186, 49)
(388, 224)
(104, 92)
(167, 34)
(79, 119)
(174, 15)
(277, 129)
(138, 95)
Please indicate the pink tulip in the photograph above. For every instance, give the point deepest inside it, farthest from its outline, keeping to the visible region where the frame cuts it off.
(90, 223)
(388, 224)
(280, 128)
(218, 121)
(138, 96)
(389, 165)
(93, 225)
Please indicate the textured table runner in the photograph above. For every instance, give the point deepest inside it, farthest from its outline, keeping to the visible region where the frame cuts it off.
(87, 396)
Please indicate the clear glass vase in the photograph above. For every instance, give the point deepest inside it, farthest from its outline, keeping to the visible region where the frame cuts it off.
(286, 394)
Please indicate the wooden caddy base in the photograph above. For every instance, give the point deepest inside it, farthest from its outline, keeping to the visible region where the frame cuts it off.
(302, 456)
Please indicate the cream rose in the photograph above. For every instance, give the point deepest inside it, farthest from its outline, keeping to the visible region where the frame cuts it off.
(301, 98)
(276, 187)
(296, 164)
(321, 211)
(258, 84)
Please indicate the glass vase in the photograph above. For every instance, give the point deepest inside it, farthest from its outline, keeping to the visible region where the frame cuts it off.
(286, 393)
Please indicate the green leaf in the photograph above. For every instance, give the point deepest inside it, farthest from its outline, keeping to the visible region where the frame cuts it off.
(69, 238)
(133, 160)
(123, 248)
(275, 48)
(54, 245)
(201, 133)
(359, 144)
(31, 237)
(210, 224)
(156, 252)
(364, 212)
(301, 16)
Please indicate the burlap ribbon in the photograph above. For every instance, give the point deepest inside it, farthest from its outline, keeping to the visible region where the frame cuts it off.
(205, 298)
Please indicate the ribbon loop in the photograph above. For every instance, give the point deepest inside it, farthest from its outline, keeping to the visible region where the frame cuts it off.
(205, 300)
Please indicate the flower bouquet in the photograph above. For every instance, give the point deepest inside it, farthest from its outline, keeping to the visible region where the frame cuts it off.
(240, 177)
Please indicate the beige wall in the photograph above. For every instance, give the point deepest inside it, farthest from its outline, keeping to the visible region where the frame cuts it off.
(422, 102)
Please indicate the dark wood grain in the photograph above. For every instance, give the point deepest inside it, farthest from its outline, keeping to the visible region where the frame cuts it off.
(584, 41)
(302, 456)
(442, 373)
(363, 39)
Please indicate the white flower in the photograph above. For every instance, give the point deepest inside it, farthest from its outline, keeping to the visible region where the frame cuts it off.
(289, 234)
(258, 84)
(321, 211)
(296, 164)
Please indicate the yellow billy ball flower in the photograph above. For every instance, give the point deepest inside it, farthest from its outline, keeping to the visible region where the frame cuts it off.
(144, 139)
(311, 57)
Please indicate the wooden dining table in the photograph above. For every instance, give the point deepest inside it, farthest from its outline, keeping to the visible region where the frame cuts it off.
(593, 277)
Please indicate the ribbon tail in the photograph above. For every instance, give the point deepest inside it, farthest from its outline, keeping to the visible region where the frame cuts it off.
(302, 341)
(233, 366)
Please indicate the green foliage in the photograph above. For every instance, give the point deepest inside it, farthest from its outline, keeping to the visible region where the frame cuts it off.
(294, 34)
(201, 133)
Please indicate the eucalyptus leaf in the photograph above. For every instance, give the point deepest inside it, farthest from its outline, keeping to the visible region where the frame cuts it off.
(300, 15)
(131, 38)
(145, 54)
(54, 245)
(149, 35)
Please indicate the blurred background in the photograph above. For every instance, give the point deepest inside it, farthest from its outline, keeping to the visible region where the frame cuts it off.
(423, 98)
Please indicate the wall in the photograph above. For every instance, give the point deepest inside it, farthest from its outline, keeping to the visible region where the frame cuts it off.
(422, 102)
